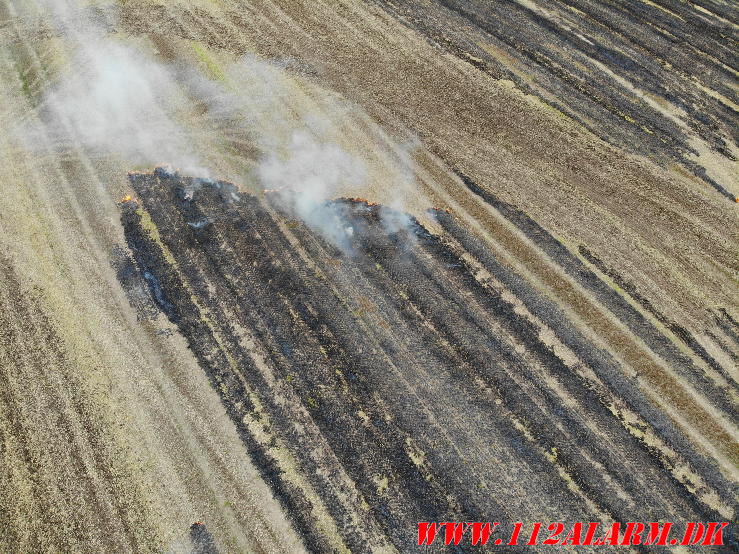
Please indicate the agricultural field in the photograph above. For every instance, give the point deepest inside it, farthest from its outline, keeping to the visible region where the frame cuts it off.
(286, 275)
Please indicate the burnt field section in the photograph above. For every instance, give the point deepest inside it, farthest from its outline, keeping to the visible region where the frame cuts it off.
(409, 376)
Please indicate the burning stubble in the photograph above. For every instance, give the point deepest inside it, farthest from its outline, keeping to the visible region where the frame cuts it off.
(116, 100)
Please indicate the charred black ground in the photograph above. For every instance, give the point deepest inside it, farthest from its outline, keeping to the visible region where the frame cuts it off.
(561, 344)
(406, 379)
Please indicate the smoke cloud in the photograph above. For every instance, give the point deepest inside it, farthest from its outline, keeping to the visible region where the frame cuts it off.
(117, 99)
(112, 99)
(308, 173)
(117, 105)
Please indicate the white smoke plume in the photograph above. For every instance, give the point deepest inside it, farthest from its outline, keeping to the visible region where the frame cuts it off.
(111, 99)
(312, 172)
(116, 99)
(396, 219)
(120, 103)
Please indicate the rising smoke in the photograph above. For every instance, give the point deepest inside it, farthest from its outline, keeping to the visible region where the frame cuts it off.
(308, 173)
(120, 103)
(115, 99)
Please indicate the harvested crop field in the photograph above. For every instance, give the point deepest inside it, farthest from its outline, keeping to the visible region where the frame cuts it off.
(283, 276)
